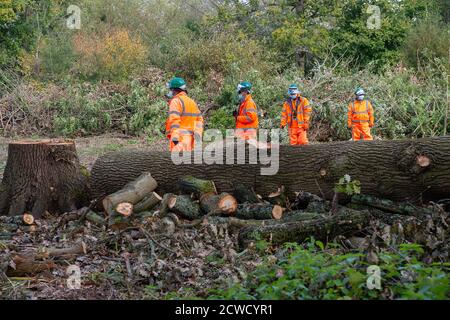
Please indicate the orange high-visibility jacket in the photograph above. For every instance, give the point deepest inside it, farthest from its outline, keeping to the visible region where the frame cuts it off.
(184, 117)
(296, 113)
(360, 112)
(247, 117)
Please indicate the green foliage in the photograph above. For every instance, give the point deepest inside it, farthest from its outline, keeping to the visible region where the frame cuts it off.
(79, 113)
(348, 186)
(215, 48)
(314, 272)
(427, 41)
(222, 120)
(22, 24)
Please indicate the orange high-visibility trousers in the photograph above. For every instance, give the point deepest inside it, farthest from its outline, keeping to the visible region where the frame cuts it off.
(361, 131)
(297, 136)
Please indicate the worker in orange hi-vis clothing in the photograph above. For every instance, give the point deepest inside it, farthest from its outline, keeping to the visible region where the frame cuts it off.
(246, 115)
(184, 127)
(360, 117)
(296, 114)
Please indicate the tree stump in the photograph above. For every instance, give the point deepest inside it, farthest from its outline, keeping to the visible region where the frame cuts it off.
(43, 175)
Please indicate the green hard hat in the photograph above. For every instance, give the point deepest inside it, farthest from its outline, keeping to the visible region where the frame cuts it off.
(245, 85)
(177, 83)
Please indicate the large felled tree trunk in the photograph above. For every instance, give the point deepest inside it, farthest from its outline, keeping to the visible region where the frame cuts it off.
(41, 176)
(404, 170)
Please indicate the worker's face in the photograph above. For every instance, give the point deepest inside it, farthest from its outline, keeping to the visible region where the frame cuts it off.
(170, 94)
(242, 95)
(360, 97)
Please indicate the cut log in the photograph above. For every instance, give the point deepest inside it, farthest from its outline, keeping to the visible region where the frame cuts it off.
(278, 197)
(119, 205)
(148, 203)
(28, 219)
(125, 209)
(192, 185)
(218, 204)
(164, 207)
(244, 194)
(345, 222)
(184, 206)
(13, 224)
(23, 266)
(62, 253)
(386, 169)
(43, 175)
(259, 211)
(132, 192)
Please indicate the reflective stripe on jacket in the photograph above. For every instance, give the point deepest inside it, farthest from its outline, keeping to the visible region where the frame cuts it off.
(360, 112)
(296, 113)
(184, 117)
(247, 117)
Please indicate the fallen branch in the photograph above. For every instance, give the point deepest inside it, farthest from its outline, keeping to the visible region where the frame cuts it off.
(24, 266)
(391, 206)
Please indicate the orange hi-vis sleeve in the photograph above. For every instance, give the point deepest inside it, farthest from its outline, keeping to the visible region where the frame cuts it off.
(248, 115)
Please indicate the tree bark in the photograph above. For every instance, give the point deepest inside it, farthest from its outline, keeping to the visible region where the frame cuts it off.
(244, 194)
(386, 169)
(148, 203)
(184, 206)
(346, 222)
(41, 176)
(190, 184)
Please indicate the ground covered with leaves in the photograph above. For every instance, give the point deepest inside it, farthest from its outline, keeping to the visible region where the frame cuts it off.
(158, 258)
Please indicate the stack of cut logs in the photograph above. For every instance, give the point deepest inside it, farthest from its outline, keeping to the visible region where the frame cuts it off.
(196, 199)
(10, 225)
(252, 216)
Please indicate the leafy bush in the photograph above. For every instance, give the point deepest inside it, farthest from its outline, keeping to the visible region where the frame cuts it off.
(224, 53)
(114, 55)
(427, 41)
(316, 272)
